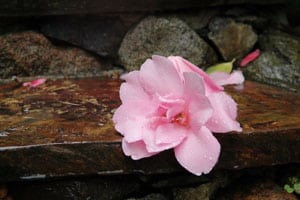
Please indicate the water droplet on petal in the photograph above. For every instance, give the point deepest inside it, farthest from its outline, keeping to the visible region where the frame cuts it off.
(210, 158)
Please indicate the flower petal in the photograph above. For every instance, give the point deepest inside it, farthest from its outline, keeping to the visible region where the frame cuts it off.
(133, 93)
(160, 76)
(250, 57)
(183, 65)
(199, 107)
(199, 152)
(129, 120)
(166, 136)
(136, 150)
(224, 115)
(222, 78)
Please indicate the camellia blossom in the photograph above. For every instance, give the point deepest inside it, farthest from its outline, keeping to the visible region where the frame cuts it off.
(35, 83)
(250, 57)
(172, 104)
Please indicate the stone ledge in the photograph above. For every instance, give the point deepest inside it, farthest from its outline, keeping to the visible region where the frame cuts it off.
(64, 128)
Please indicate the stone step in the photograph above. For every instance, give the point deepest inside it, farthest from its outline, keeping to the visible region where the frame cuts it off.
(50, 7)
(64, 128)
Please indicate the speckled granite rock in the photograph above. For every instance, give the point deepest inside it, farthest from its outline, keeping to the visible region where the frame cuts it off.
(163, 36)
(233, 40)
(279, 63)
(30, 53)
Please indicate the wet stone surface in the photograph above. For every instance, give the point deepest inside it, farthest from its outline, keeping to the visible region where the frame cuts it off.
(67, 123)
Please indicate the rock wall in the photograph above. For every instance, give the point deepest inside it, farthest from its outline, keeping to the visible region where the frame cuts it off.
(77, 45)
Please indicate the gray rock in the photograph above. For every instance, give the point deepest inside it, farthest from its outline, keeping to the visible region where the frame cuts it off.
(279, 63)
(163, 36)
(232, 39)
(198, 20)
(101, 35)
(30, 53)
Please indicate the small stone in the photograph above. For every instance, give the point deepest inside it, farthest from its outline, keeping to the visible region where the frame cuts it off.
(30, 53)
(233, 40)
(260, 190)
(279, 63)
(164, 36)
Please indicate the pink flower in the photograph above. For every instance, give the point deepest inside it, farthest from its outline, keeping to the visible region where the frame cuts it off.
(171, 103)
(35, 83)
(250, 57)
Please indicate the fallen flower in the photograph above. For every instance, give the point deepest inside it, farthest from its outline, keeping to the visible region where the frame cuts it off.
(171, 103)
(250, 57)
(35, 83)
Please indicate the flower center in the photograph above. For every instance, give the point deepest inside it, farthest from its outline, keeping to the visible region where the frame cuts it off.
(180, 119)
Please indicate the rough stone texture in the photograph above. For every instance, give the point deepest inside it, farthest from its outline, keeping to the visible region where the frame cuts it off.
(93, 188)
(279, 63)
(257, 190)
(233, 40)
(101, 35)
(67, 123)
(198, 20)
(163, 36)
(202, 191)
(30, 53)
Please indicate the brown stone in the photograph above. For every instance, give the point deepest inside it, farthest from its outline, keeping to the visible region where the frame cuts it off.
(67, 123)
(30, 53)
(259, 190)
(233, 40)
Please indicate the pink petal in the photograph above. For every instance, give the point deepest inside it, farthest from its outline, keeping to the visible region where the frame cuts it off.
(183, 65)
(133, 77)
(35, 83)
(224, 115)
(250, 57)
(194, 85)
(133, 93)
(199, 108)
(136, 150)
(223, 78)
(160, 76)
(199, 152)
(165, 137)
(129, 120)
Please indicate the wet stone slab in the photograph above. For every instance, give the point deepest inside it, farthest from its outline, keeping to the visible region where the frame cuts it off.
(64, 128)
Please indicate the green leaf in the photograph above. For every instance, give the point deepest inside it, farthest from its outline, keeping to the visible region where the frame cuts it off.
(297, 186)
(288, 188)
(221, 67)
